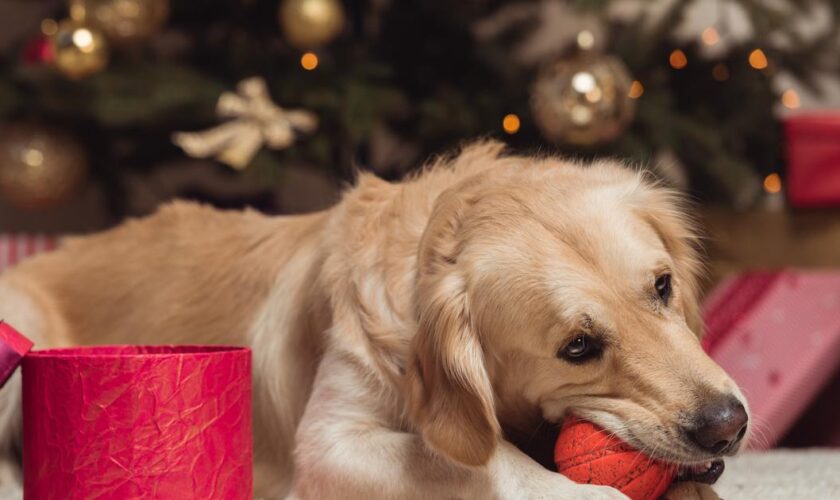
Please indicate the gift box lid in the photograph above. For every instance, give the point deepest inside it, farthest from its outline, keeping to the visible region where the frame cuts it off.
(813, 153)
(13, 347)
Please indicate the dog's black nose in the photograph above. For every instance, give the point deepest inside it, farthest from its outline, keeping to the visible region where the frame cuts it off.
(719, 425)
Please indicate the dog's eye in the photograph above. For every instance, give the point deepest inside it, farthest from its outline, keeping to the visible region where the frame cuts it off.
(581, 348)
(663, 287)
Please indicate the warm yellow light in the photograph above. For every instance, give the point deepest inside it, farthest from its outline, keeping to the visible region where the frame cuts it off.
(720, 72)
(78, 11)
(773, 183)
(594, 95)
(49, 27)
(710, 36)
(585, 40)
(583, 81)
(790, 99)
(511, 123)
(309, 61)
(319, 12)
(33, 157)
(83, 39)
(678, 59)
(757, 59)
(636, 90)
(581, 115)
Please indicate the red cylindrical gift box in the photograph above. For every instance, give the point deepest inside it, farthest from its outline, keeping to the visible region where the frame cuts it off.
(118, 422)
(813, 152)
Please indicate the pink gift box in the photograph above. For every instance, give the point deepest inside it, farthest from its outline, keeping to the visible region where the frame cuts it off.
(778, 336)
(118, 422)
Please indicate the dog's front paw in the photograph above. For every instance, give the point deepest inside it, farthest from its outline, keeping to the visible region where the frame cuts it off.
(689, 490)
(558, 486)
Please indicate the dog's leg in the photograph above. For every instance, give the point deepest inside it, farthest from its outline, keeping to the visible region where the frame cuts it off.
(10, 427)
(346, 449)
(18, 309)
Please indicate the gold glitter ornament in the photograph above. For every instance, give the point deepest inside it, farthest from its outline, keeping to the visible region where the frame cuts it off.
(40, 166)
(79, 50)
(122, 21)
(310, 23)
(583, 100)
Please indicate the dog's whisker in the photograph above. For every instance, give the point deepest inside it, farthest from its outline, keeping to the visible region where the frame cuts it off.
(759, 428)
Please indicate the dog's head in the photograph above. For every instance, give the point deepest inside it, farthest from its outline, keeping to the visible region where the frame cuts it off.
(555, 288)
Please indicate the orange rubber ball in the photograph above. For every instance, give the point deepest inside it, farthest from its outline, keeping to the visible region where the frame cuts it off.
(586, 453)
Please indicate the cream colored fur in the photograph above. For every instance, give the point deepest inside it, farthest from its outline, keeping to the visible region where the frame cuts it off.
(401, 334)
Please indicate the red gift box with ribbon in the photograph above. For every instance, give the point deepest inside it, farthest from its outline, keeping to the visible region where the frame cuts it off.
(117, 422)
(813, 152)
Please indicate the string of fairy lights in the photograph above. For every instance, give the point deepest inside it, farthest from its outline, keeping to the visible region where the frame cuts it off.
(678, 60)
(757, 60)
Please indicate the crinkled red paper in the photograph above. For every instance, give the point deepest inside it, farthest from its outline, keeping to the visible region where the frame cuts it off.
(163, 422)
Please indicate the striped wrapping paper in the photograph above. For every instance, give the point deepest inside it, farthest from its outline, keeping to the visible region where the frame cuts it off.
(16, 247)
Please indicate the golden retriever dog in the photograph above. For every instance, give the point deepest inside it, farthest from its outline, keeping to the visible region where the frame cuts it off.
(407, 337)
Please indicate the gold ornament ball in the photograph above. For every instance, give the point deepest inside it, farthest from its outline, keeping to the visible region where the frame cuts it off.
(310, 23)
(122, 21)
(583, 100)
(39, 166)
(80, 50)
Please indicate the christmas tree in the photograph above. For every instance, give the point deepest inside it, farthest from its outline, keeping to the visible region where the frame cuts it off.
(103, 88)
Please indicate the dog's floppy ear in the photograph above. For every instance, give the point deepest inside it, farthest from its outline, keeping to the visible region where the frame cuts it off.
(665, 210)
(449, 390)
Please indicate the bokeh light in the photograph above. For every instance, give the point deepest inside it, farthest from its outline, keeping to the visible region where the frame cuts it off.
(636, 90)
(677, 59)
(757, 59)
(773, 183)
(309, 61)
(511, 123)
(790, 99)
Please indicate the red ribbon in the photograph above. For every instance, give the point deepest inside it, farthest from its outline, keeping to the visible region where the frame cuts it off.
(13, 347)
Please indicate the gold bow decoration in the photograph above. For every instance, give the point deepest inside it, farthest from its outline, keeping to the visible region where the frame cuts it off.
(257, 121)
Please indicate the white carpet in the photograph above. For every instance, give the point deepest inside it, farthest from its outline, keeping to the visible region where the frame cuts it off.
(777, 475)
(782, 474)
